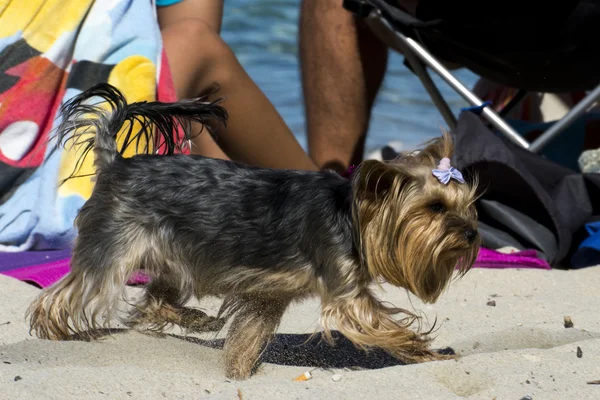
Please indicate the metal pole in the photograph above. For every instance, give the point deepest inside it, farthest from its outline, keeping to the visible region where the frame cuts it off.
(434, 64)
(381, 30)
(579, 109)
(434, 93)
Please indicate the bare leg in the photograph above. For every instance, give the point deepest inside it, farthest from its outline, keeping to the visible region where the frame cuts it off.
(253, 326)
(255, 134)
(343, 65)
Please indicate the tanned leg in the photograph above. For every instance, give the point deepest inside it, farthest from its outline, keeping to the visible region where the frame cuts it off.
(256, 134)
(184, 75)
(343, 65)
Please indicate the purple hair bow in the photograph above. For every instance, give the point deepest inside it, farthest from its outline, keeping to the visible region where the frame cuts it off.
(444, 172)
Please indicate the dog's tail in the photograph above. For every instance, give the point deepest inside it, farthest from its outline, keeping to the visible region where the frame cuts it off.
(95, 126)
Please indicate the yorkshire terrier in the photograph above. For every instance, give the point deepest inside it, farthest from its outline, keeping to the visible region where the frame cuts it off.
(258, 238)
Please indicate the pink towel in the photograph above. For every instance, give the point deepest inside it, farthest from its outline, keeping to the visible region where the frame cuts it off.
(42, 275)
(46, 274)
(523, 259)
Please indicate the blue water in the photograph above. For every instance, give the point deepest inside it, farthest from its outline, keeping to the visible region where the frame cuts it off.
(263, 34)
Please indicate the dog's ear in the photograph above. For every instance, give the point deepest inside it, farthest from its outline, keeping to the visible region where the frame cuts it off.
(376, 179)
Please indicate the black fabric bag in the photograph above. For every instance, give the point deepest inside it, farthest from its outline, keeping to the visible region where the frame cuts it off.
(528, 201)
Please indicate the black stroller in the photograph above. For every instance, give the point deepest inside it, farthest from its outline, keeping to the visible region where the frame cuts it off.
(529, 202)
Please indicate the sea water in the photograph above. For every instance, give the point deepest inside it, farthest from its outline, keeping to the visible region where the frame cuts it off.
(264, 36)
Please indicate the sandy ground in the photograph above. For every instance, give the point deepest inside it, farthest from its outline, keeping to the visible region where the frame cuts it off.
(516, 348)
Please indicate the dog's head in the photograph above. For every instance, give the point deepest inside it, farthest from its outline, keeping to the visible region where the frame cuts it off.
(416, 219)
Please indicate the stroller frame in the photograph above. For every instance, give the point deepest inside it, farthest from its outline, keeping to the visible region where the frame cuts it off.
(380, 16)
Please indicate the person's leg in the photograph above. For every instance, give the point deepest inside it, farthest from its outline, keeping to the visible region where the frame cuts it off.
(209, 11)
(183, 72)
(343, 65)
(255, 134)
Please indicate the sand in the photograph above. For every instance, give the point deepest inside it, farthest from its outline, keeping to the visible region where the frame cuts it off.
(517, 348)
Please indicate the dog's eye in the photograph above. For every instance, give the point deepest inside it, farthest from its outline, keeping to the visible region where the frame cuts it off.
(437, 208)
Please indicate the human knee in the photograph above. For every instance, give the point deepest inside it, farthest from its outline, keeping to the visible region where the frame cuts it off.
(209, 50)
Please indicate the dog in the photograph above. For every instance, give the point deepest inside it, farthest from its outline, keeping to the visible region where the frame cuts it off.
(258, 238)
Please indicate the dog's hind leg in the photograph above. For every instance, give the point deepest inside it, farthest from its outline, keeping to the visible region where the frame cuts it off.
(163, 304)
(253, 326)
(87, 298)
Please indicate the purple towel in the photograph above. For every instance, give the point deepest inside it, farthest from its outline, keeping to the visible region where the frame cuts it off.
(523, 259)
(42, 275)
(46, 267)
(10, 261)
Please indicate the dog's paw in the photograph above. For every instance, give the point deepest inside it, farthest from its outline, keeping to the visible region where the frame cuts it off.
(436, 355)
(442, 356)
(196, 321)
(236, 373)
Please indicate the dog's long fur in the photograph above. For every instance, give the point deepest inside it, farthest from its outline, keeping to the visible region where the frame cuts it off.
(258, 238)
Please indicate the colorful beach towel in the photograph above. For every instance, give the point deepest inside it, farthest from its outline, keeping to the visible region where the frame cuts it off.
(51, 50)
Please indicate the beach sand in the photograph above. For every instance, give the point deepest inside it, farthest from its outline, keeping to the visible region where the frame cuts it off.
(517, 348)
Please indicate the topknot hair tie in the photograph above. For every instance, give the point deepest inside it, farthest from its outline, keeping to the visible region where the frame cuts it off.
(444, 172)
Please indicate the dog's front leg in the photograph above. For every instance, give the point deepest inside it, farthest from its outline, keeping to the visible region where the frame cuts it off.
(367, 322)
(254, 323)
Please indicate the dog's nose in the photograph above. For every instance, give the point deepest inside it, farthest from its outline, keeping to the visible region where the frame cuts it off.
(471, 235)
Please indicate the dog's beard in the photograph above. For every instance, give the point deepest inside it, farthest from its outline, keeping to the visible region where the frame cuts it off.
(424, 263)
